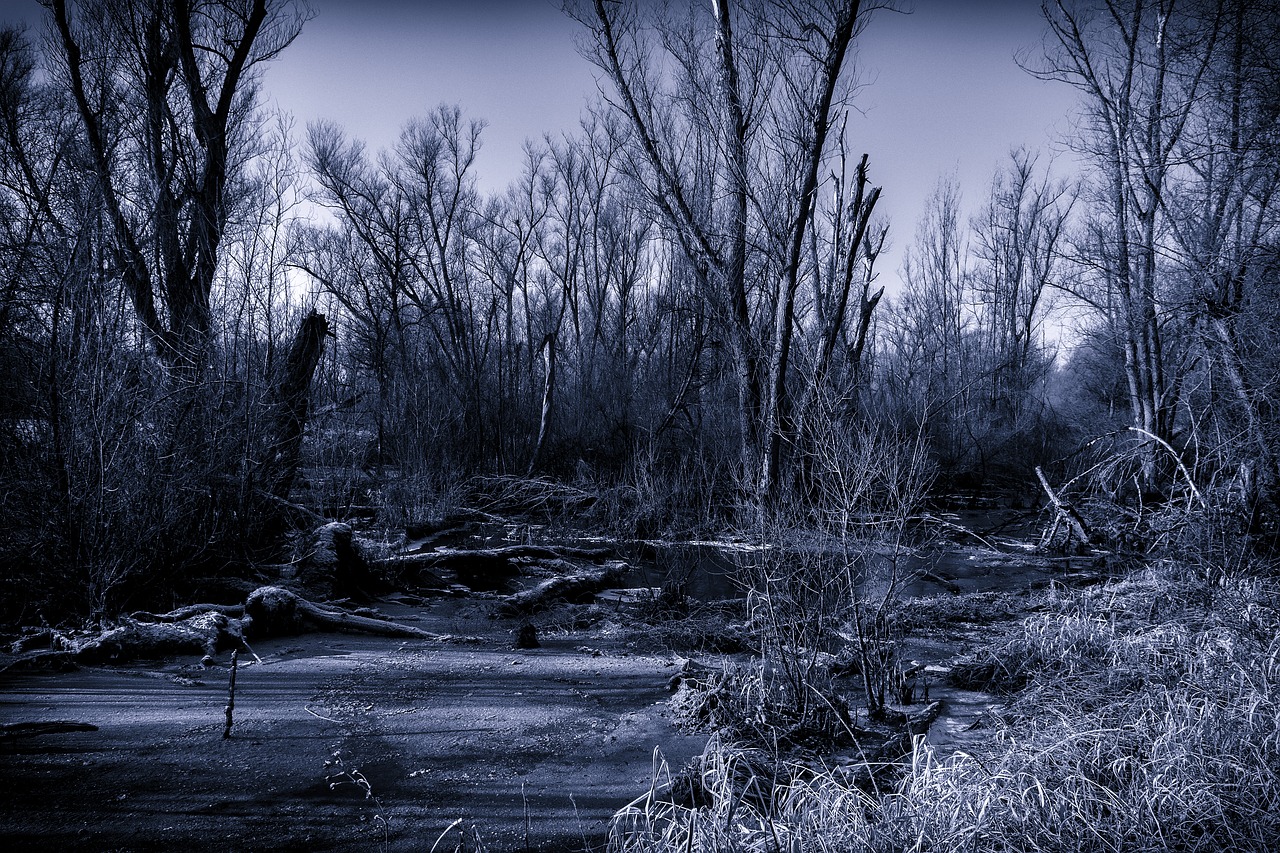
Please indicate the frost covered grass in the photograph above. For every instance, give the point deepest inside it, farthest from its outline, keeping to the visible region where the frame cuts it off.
(735, 799)
(1143, 716)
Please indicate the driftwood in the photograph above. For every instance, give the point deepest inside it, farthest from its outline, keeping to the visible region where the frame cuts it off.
(426, 535)
(184, 613)
(454, 558)
(205, 629)
(919, 722)
(573, 588)
(693, 673)
(201, 634)
(484, 568)
(430, 529)
(271, 611)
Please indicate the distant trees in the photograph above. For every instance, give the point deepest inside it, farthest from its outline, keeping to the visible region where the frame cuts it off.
(400, 262)
(1019, 267)
(965, 353)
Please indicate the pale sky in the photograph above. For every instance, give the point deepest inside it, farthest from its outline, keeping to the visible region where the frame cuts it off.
(942, 93)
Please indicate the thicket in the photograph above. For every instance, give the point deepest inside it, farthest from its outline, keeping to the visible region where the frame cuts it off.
(676, 310)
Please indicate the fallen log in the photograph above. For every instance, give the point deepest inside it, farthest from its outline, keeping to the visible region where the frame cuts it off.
(1066, 512)
(43, 660)
(577, 588)
(426, 533)
(406, 571)
(919, 722)
(483, 568)
(456, 558)
(202, 634)
(271, 612)
(205, 629)
(184, 613)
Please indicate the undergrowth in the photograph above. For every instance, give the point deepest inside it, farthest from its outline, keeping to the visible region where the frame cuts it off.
(1143, 716)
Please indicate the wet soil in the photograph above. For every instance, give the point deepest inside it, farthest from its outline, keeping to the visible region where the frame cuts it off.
(345, 743)
(342, 743)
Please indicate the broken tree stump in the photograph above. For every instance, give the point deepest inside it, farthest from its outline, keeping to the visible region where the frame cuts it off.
(1066, 512)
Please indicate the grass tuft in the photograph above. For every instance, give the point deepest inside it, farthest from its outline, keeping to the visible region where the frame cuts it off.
(1144, 716)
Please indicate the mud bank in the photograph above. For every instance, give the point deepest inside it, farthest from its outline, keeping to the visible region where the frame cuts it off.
(341, 743)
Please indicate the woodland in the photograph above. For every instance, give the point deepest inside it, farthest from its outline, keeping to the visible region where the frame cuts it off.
(222, 335)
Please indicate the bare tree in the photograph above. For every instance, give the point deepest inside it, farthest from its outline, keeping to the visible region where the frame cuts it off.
(1141, 68)
(729, 148)
(1222, 218)
(1019, 260)
(143, 165)
(165, 94)
(930, 363)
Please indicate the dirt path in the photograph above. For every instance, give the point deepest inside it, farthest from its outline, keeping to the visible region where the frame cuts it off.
(477, 732)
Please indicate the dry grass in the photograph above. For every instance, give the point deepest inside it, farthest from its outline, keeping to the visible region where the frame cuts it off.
(1147, 718)
(740, 806)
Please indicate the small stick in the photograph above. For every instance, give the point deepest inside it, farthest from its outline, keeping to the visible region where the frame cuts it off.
(250, 650)
(231, 692)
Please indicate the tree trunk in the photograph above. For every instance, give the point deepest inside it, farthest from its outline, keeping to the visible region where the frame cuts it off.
(548, 401)
(292, 399)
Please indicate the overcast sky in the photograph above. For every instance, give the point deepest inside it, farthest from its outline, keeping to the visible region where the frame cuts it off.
(943, 92)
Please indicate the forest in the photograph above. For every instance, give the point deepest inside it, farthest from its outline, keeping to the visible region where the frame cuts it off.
(222, 335)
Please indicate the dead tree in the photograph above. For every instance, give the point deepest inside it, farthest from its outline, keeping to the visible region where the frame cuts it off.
(293, 395)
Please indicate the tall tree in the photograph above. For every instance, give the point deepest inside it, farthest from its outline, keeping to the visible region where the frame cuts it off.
(165, 92)
(1222, 217)
(728, 142)
(1142, 69)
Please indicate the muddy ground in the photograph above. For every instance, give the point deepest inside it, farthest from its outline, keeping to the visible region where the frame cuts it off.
(345, 743)
(532, 749)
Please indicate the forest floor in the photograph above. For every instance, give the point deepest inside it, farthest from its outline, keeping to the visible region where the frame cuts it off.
(345, 743)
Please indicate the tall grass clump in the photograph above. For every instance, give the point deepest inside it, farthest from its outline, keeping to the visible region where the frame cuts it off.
(1141, 716)
(730, 799)
(1140, 728)
(1156, 731)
